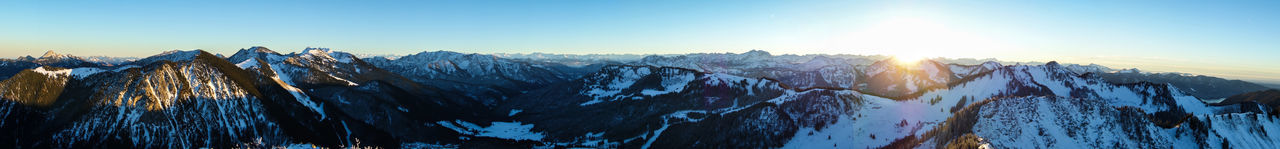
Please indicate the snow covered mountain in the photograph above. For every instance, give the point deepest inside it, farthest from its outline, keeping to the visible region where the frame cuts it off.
(337, 84)
(693, 116)
(797, 71)
(193, 98)
(9, 67)
(261, 98)
(487, 78)
(51, 58)
(151, 106)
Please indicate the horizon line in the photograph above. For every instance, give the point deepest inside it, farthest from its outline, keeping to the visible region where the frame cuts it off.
(989, 59)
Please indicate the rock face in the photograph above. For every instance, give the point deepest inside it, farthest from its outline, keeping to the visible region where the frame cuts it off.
(259, 98)
(159, 105)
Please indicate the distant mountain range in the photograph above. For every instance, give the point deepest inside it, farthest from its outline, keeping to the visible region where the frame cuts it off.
(259, 98)
(1274, 86)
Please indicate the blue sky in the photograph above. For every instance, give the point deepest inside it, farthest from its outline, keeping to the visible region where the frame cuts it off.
(1233, 39)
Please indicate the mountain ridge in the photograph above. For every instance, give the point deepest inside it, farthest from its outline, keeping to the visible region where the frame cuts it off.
(258, 97)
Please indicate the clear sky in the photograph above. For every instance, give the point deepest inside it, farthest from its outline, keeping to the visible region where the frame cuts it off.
(1231, 39)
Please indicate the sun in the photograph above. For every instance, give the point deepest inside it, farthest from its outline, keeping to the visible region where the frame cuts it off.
(907, 60)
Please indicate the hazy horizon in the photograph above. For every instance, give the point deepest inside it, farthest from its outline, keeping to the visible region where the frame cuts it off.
(1235, 40)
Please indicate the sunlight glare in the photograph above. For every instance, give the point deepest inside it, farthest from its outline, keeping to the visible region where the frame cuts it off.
(917, 35)
(907, 60)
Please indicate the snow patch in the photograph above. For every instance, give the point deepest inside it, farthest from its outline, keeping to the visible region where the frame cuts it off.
(80, 73)
(250, 63)
(671, 84)
(614, 85)
(503, 130)
(47, 72)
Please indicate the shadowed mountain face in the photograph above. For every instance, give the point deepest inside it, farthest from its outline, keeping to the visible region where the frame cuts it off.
(258, 97)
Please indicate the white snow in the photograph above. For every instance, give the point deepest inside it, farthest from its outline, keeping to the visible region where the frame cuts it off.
(684, 115)
(306, 100)
(503, 130)
(934, 73)
(671, 84)
(349, 83)
(249, 63)
(609, 91)
(656, 134)
(590, 102)
(300, 96)
(877, 116)
(1242, 130)
(1042, 122)
(1213, 101)
(82, 72)
(46, 72)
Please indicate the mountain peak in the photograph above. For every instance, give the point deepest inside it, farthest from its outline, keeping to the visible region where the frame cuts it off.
(316, 51)
(325, 54)
(260, 49)
(757, 53)
(26, 58)
(254, 52)
(50, 54)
